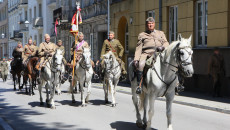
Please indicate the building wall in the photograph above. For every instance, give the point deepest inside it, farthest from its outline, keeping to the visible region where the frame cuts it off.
(3, 28)
(218, 30)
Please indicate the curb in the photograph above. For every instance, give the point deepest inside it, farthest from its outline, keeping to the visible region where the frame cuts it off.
(4, 125)
(181, 103)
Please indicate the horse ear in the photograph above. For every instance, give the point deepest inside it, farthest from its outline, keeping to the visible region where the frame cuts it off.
(190, 39)
(179, 37)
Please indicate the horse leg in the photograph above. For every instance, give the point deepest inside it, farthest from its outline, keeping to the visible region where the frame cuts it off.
(40, 92)
(47, 94)
(151, 110)
(82, 93)
(135, 102)
(58, 89)
(169, 100)
(105, 86)
(145, 110)
(113, 91)
(14, 79)
(52, 93)
(88, 92)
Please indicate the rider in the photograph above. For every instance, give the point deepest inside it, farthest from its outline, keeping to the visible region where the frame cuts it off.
(35, 47)
(149, 42)
(78, 48)
(4, 69)
(59, 46)
(46, 50)
(113, 45)
(17, 54)
(29, 51)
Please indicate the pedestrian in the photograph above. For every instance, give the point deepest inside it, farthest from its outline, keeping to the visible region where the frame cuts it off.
(4, 69)
(217, 71)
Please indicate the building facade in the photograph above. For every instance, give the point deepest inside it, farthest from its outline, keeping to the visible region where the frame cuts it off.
(3, 28)
(207, 23)
(94, 26)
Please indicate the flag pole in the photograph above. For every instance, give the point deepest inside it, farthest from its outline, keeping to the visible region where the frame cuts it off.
(74, 54)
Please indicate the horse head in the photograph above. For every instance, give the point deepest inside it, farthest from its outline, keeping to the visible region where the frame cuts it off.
(184, 56)
(86, 57)
(109, 59)
(57, 59)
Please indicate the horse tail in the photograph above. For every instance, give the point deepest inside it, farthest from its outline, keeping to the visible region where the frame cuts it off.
(141, 101)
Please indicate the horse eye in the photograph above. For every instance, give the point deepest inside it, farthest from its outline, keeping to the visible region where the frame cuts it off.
(182, 53)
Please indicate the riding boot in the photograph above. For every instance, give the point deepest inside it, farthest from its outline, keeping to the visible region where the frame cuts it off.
(179, 87)
(139, 76)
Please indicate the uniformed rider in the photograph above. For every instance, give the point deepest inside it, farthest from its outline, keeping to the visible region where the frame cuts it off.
(115, 46)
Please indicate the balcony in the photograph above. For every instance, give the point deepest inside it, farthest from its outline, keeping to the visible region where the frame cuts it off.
(23, 3)
(51, 3)
(64, 15)
(38, 22)
(22, 26)
(16, 35)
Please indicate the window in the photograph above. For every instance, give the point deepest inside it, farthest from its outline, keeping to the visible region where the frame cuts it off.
(35, 38)
(26, 16)
(173, 13)
(30, 16)
(35, 12)
(40, 10)
(127, 39)
(40, 39)
(91, 44)
(151, 14)
(201, 22)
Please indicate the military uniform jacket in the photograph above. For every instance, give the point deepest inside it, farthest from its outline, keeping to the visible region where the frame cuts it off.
(148, 41)
(46, 47)
(17, 52)
(29, 50)
(61, 48)
(114, 46)
(80, 49)
(4, 66)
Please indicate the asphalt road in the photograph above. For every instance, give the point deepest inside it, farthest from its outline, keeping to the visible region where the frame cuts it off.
(23, 112)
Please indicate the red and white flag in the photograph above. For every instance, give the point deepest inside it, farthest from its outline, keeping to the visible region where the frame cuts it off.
(76, 20)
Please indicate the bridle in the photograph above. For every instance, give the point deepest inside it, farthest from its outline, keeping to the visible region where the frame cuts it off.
(83, 63)
(112, 67)
(179, 66)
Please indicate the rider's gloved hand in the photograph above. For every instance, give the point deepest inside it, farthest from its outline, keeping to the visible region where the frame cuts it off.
(119, 57)
(160, 49)
(46, 53)
(136, 63)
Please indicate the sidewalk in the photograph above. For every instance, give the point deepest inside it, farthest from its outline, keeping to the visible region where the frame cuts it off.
(187, 98)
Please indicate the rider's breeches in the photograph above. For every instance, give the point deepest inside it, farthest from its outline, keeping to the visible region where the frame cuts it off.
(24, 60)
(142, 62)
(4, 73)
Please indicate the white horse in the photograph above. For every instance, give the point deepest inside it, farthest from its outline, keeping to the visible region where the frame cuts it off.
(112, 75)
(61, 74)
(50, 77)
(162, 79)
(83, 74)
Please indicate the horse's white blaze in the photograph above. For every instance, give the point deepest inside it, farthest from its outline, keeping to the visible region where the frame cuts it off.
(179, 54)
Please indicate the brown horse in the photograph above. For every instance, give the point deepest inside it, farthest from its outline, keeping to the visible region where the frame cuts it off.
(30, 74)
(16, 69)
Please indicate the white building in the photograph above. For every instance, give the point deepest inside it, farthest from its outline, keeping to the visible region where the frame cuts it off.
(40, 17)
(15, 16)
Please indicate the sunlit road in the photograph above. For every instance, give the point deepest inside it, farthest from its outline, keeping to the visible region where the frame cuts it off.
(23, 112)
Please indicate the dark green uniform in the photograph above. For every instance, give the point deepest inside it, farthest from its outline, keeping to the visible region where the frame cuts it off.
(114, 46)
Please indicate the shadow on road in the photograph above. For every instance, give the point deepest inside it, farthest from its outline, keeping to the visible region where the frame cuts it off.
(121, 125)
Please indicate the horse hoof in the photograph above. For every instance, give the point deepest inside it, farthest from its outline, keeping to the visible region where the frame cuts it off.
(73, 101)
(139, 125)
(83, 105)
(53, 107)
(113, 105)
(33, 93)
(47, 101)
(106, 102)
(14, 89)
(41, 103)
(144, 126)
